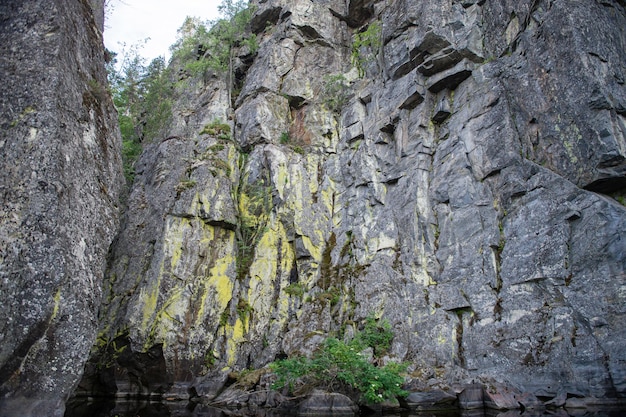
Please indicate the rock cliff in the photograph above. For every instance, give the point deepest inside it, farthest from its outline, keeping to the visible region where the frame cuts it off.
(455, 167)
(61, 175)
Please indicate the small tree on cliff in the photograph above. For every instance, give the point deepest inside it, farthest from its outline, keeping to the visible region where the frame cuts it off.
(210, 45)
(142, 96)
(237, 15)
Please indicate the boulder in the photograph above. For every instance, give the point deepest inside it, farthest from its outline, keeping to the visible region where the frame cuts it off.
(320, 403)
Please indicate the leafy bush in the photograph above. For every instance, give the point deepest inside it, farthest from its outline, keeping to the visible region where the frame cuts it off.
(377, 335)
(143, 98)
(340, 366)
(297, 289)
(157, 99)
(198, 49)
(208, 45)
(255, 205)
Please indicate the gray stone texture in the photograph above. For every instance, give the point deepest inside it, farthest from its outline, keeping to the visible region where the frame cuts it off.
(464, 192)
(60, 182)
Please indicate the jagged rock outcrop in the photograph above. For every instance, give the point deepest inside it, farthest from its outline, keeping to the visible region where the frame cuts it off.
(464, 188)
(60, 184)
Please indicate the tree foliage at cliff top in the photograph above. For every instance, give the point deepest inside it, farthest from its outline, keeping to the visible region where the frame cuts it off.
(143, 97)
(143, 94)
(203, 45)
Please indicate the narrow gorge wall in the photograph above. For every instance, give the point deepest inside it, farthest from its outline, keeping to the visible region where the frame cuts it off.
(464, 183)
(60, 179)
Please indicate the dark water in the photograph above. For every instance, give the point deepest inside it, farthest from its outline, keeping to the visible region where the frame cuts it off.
(184, 409)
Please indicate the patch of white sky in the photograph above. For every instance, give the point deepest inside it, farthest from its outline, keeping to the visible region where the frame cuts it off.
(131, 22)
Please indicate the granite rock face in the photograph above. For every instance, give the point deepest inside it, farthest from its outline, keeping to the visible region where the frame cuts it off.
(61, 176)
(466, 188)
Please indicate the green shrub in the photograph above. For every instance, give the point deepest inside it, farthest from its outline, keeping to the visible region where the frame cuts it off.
(255, 204)
(332, 295)
(285, 138)
(376, 334)
(157, 99)
(252, 43)
(217, 128)
(297, 289)
(209, 45)
(142, 96)
(371, 38)
(224, 318)
(244, 310)
(335, 92)
(216, 148)
(340, 366)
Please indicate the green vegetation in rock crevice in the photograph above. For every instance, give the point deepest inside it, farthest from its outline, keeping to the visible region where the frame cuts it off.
(335, 92)
(337, 280)
(369, 38)
(254, 205)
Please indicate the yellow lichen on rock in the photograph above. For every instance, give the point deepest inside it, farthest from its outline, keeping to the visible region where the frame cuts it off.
(273, 248)
(263, 268)
(314, 250)
(221, 281)
(217, 286)
(168, 318)
(148, 298)
(235, 335)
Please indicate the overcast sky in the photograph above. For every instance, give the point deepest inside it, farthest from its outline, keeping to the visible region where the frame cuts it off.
(131, 21)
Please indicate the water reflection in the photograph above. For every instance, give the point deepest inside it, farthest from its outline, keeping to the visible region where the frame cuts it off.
(183, 409)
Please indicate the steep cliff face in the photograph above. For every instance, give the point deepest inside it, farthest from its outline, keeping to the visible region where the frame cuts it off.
(61, 175)
(450, 166)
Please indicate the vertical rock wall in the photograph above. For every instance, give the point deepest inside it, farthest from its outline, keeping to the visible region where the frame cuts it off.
(61, 175)
(464, 183)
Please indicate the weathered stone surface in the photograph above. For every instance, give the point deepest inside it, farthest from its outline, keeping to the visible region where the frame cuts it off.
(262, 119)
(471, 397)
(450, 78)
(60, 182)
(461, 194)
(430, 400)
(321, 403)
(500, 398)
(529, 401)
(171, 260)
(569, 120)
